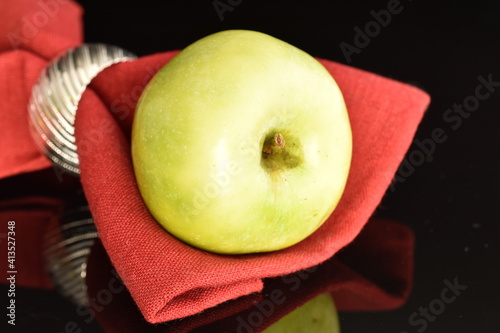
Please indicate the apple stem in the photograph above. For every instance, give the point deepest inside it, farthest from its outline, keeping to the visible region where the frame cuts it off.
(278, 141)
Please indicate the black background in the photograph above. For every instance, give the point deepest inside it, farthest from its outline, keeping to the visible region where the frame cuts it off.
(451, 201)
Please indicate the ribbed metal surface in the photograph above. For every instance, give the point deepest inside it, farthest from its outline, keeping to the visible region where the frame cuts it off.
(55, 99)
(67, 245)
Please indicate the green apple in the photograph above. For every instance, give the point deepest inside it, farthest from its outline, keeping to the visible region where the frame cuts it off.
(319, 315)
(241, 144)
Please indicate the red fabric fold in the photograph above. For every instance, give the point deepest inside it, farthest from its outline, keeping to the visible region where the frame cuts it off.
(348, 276)
(45, 28)
(169, 279)
(32, 33)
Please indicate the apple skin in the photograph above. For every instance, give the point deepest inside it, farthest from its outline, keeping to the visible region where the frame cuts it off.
(200, 131)
(319, 315)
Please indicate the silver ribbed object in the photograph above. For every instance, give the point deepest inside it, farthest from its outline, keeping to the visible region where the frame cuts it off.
(67, 245)
(55, 99)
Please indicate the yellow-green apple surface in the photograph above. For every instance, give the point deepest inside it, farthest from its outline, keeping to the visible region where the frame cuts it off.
(241, 144)
(319, 315)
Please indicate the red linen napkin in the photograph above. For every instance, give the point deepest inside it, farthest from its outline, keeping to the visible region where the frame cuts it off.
(169, 279)
(372, 273)
(31, 34)
(23, 222)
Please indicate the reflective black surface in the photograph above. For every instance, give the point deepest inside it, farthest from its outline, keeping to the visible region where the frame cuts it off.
(450, 200)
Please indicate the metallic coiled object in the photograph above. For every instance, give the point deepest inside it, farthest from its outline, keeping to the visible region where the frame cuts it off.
(52, 109)
(67, 244)
(54, 99)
